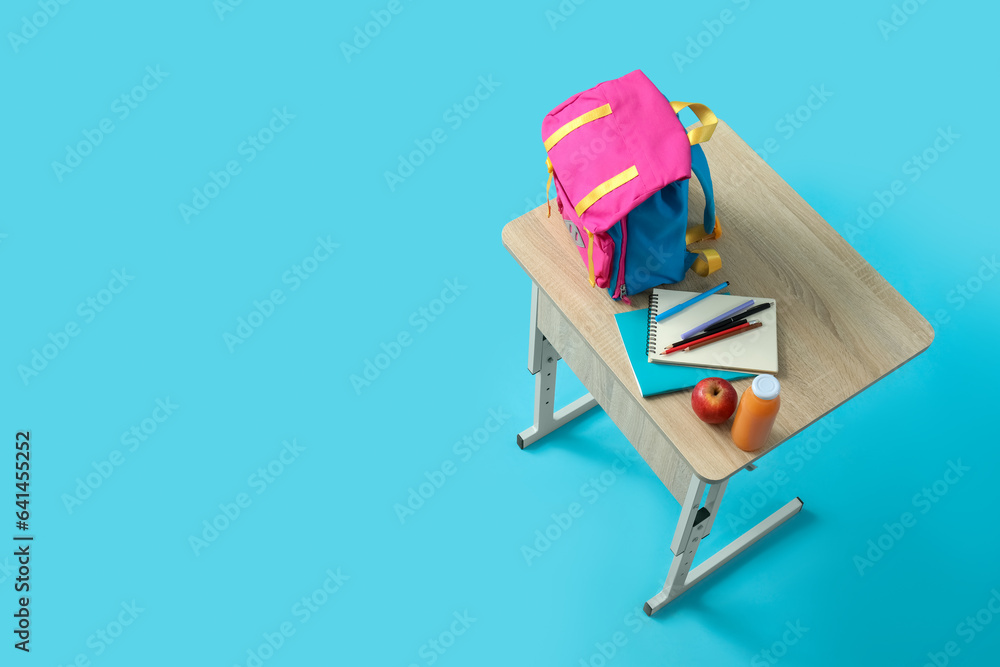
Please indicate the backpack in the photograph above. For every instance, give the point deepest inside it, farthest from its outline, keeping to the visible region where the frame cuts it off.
(621, 161)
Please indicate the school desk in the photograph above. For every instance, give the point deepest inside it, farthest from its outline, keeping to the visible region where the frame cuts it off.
(841, 327)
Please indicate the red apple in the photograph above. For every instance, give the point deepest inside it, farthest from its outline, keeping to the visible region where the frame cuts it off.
(714, 400)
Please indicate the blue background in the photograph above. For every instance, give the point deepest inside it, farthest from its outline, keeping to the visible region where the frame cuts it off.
(162, 337)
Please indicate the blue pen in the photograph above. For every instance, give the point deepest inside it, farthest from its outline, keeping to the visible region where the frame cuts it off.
(714, 320)
(690, 302)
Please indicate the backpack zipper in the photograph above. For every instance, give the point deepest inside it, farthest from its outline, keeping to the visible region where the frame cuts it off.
(622, 291)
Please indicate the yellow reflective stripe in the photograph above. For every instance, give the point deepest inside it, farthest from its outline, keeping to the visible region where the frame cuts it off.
(590, 258)
(708, 120)
(606, 187)
(557, 136)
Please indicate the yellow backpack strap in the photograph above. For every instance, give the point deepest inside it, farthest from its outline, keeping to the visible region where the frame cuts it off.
(548, 185)
(708, 120)
(708, 261)
(697, 233)
(590, 258)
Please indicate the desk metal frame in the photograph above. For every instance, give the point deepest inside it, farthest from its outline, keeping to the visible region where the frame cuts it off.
(696, 518)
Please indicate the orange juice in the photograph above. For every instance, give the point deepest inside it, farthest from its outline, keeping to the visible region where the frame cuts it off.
(756, 413)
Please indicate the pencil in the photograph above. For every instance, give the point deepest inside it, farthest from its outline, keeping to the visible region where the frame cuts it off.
(690, 302)
(735, 331)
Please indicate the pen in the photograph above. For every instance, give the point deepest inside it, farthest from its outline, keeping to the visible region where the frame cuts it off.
(725, 324)
(708, 340)
(709, 332)
(690, 302)
(719, 318)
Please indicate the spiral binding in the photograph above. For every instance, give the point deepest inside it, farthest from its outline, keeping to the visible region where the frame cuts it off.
(651, 323)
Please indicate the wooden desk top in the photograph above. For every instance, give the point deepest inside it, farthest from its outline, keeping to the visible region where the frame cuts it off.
(841, 326)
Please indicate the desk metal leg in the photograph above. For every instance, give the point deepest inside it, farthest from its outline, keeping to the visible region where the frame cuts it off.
(542, 363)
(694, 525)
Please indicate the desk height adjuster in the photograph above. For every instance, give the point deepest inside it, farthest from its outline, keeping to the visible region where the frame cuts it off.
(542, 363)
(693, 526)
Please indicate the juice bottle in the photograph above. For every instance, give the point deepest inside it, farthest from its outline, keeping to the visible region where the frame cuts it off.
(756, 413)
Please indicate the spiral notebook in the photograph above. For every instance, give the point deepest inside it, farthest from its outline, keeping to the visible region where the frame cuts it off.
(755, 351)
(656, 379)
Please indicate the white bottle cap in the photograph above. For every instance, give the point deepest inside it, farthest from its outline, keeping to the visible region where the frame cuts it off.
(766, 387)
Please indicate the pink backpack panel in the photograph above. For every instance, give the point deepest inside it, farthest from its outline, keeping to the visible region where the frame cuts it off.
(610, 148)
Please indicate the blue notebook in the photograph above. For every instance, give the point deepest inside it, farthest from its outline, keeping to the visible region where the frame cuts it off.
(659, 378)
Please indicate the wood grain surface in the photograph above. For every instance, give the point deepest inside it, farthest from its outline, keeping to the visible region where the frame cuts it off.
(841, 326)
